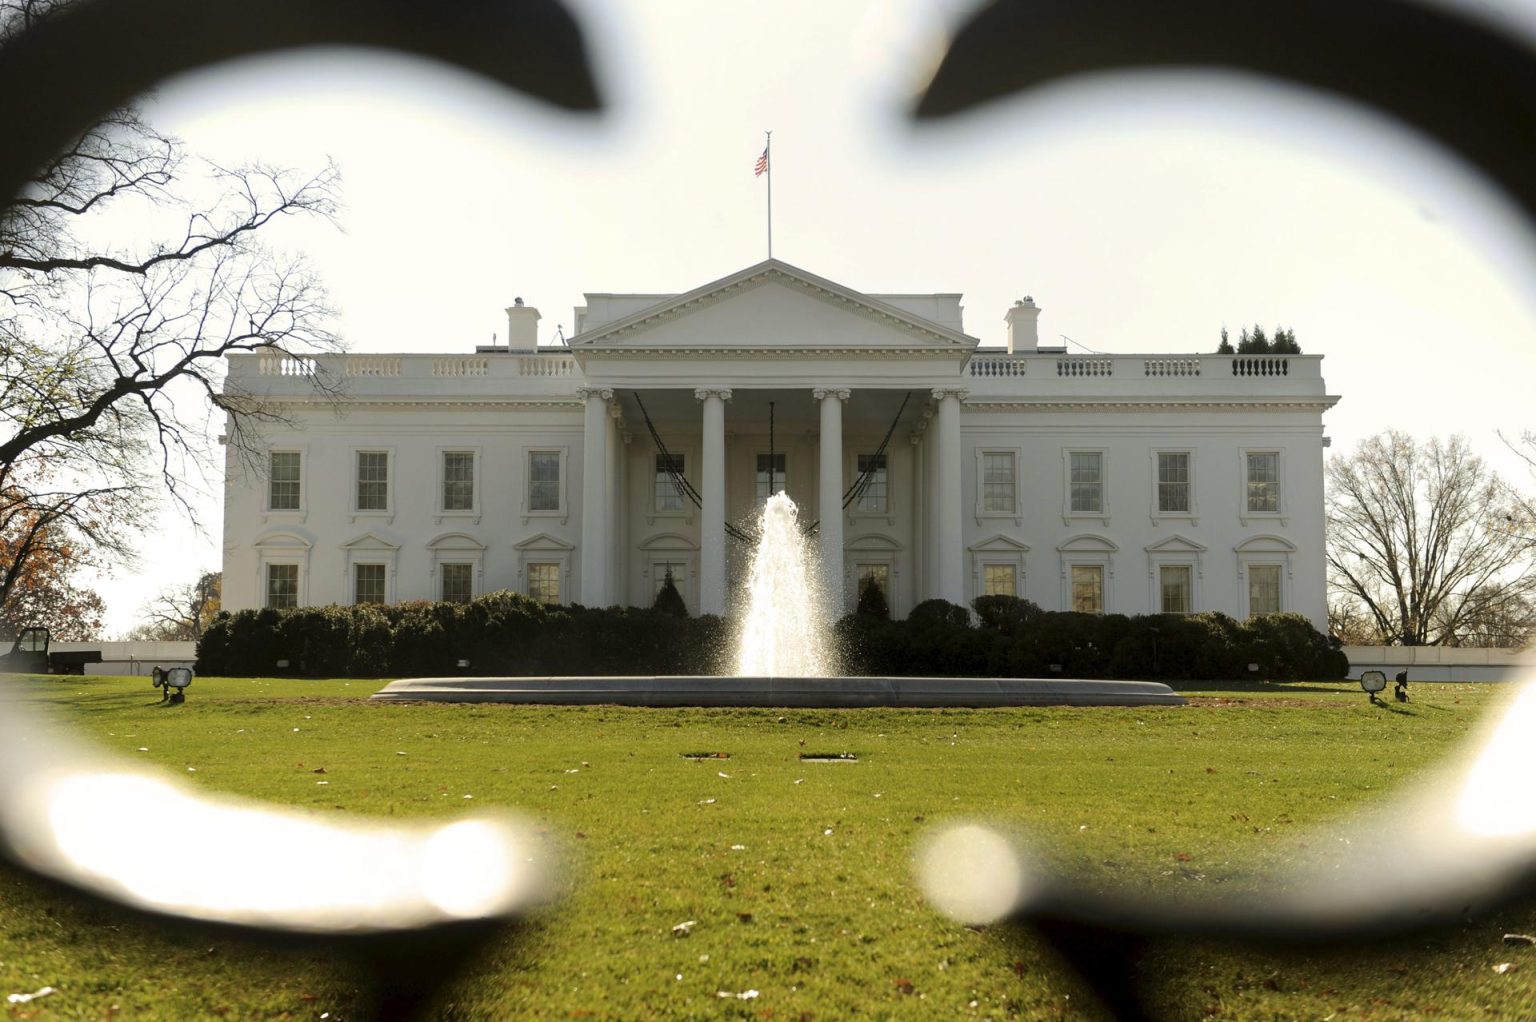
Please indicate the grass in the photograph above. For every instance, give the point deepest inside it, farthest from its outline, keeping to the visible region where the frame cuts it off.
(797, 875)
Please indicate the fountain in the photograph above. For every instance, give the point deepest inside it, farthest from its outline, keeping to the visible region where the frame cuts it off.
(783, 658)
(784, 632)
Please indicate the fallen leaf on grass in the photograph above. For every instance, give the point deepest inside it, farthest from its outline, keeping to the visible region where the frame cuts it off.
(1504, 967)
(25, 998)
(722, 773)
(683, 929)
(906, 986)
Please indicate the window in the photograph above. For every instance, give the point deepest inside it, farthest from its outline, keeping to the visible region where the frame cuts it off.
(668, 494)
(1086, 469)
(1088, 588)
(1175, 582)
(544, 484)
(457, 582)
(873, 498)
(999, 580)
(1263, 589)
(372, 481)
(544, 582)
(1264, 482)
(770, 476)
(878, 575)
(997, 494)
(458, 480)
(282, 586)
(1173, 482)
(283, 481)
(367, 583)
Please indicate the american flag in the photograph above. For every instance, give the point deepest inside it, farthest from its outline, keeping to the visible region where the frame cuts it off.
(762, 165)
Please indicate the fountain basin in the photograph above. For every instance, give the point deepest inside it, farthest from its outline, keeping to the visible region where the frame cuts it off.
(831, 692)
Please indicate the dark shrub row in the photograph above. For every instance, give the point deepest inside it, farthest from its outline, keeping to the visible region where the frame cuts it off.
(508, 634)
(1015, 638)
(499, 634)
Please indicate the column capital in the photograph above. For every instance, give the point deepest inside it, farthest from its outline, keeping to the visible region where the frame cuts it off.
(606, 393)
(822, 393)
(960, 393)
(723, 393)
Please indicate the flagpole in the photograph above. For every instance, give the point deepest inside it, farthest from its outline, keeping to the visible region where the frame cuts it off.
(768, 152)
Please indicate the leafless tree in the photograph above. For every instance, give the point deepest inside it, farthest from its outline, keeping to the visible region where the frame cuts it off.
(182, 612)
(111, 350)
(1421, 540)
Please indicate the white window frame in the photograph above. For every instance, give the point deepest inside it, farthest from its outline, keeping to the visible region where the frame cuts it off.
(871, 548)
(851, 474)
(266, 583)
(1248, 585)
(544, 548)
(440, 578)
(1069, 516)
(457, 548)
(563, 510)
(561, 579)
(1192, 516)
(758, 504)
(1266, 549)
(1070, 602)
(1085, 550)
(1167, 566)
(1281, 514)
(369, 548)
(686, 509)
(998, 549)
(282, 547)
(352, 577)
(388, 510)
(982, 514)
(266, 494)
(671, 548)
(1175, 551)
(477, 478)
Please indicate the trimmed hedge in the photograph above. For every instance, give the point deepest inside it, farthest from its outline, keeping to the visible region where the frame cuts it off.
(509, 634)
(501, 633)
(1014, 638)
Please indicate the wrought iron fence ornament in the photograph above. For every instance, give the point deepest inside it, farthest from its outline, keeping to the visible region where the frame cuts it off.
(1470, 845)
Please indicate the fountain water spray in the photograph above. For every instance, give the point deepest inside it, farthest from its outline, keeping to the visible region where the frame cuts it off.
(784, 633)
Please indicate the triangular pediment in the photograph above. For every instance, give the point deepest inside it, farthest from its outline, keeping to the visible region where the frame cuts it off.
(1175, 545)
(543, 541)
(772, 306)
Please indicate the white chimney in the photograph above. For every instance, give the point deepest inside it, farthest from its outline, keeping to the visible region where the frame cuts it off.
(522, 326)
(1023, 325)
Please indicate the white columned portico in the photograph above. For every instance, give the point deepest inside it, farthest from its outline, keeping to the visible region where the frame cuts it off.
(949, 572)
(830, 496)
(712, 509)
(595, 540)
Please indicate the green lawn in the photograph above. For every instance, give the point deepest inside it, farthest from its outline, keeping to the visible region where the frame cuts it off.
(798, 875)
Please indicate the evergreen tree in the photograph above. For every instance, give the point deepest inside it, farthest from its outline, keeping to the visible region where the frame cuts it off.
(1225, 348)
(872, 601)
(1253, 342)
(668, 599)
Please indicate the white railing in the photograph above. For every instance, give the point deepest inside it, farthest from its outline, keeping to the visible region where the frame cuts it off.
(546, 365)
(1076, 365)
(461, 366)
(998, 366)
(1171, 367)
(371, 365)
(1261, 365)
(286, 365)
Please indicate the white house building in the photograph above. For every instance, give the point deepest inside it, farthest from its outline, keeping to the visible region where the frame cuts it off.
(585, 473)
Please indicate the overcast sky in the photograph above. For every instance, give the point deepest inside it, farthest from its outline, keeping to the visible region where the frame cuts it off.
(1142, 212)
